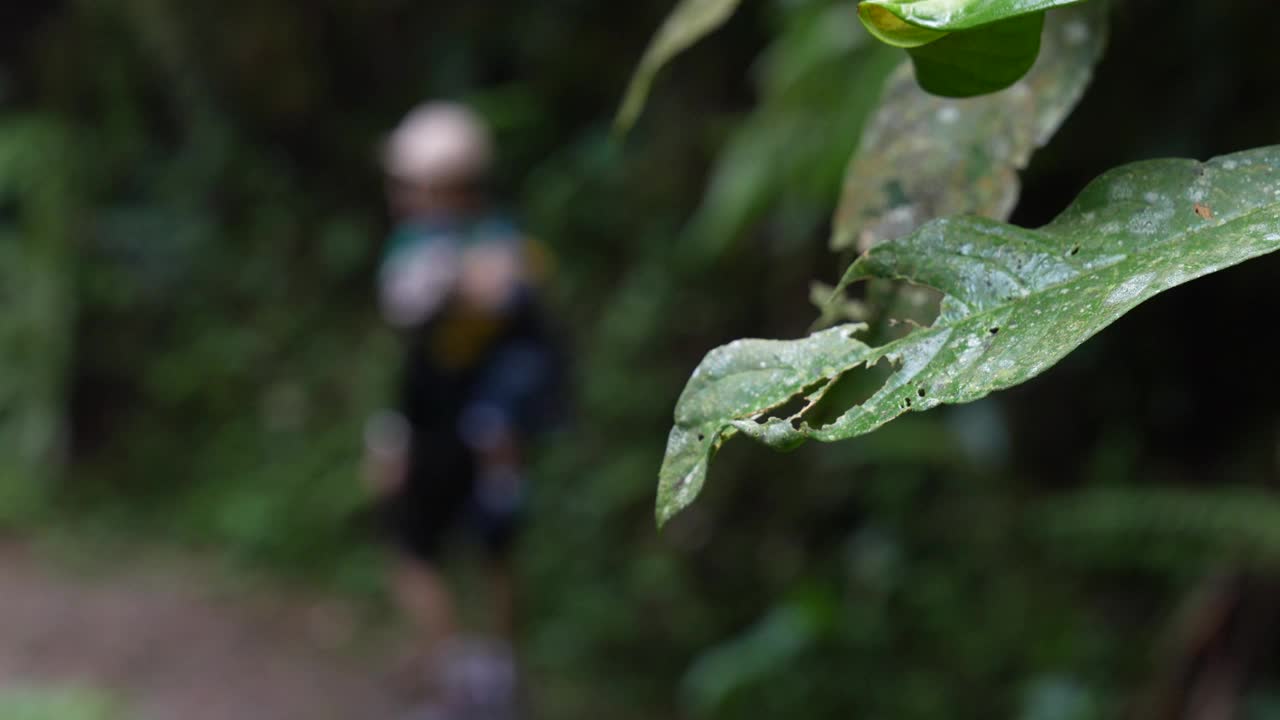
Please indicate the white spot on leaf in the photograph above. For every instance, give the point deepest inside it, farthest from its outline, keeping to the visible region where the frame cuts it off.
(1130, 289)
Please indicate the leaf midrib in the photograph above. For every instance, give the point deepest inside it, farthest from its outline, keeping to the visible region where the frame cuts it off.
(885, 349)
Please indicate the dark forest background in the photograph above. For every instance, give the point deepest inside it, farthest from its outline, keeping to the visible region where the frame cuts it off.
(191, 213)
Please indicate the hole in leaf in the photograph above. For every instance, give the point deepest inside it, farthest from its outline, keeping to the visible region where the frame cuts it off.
(1074, 249)
(920, 392)
(835, 307)
(994, 330)
(909, 306)
(792, 406)
(851, 389)
(701, 437)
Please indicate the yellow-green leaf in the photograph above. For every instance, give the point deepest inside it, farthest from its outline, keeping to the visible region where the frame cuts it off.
(689, 22)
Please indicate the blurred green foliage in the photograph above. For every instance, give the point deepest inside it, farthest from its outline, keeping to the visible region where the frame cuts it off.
(194, 341)
(37, 270)
(56, 704)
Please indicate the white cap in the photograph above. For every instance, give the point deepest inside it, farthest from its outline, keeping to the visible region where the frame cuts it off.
(439, 142)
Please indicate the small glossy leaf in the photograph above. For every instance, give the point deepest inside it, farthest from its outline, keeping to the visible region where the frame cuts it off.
(688, 23)
(962, 48)
(923, 156)
(981, 61)
(1016, 301)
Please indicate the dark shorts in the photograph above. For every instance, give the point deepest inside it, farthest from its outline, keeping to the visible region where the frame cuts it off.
(518, 377)
(439, 501)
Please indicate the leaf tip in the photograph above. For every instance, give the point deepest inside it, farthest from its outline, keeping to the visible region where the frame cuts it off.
(673, 498)
(632, 104)
(662, 514)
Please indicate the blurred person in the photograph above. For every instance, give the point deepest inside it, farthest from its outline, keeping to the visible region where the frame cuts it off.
(459, 282)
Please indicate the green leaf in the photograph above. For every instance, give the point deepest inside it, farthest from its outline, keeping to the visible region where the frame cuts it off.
(962, 48)
(57, 703)
(764, 649)
(1016, 302)
(810, 36)
(786, 160)
(923, 156)
(977, 62)
(38, 188)
(1128, 527)
(688, 23)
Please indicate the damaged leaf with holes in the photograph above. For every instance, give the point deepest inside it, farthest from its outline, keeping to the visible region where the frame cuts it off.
(1016, 302)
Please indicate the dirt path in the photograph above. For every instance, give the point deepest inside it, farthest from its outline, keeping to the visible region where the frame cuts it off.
(177, 648)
